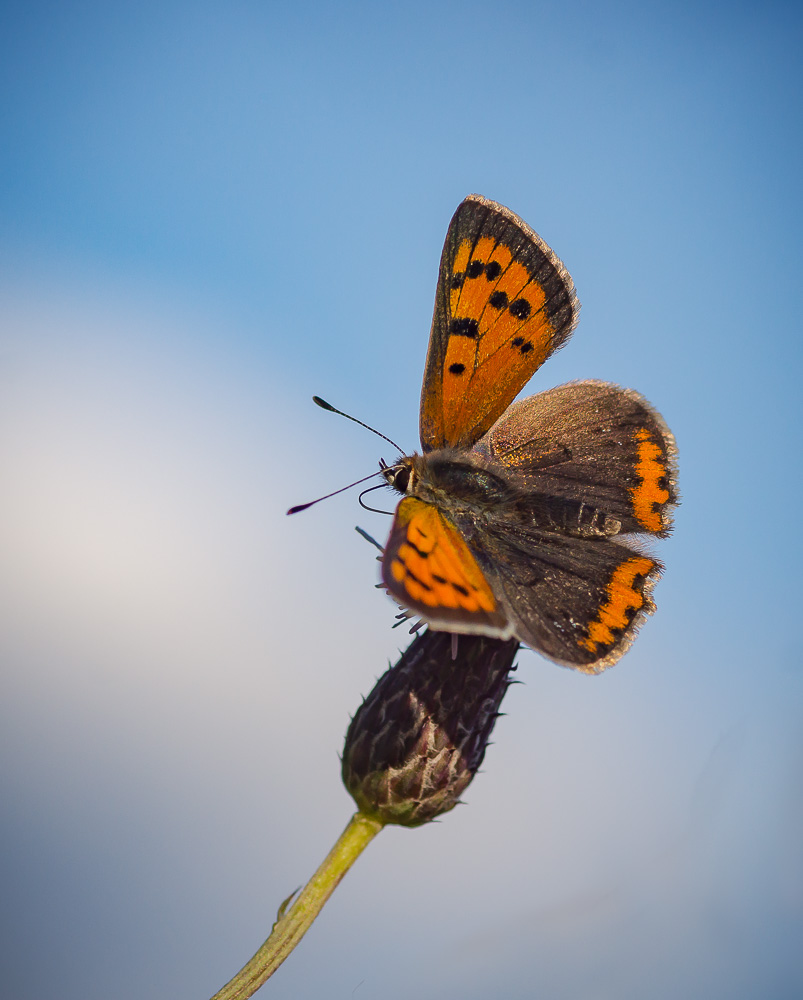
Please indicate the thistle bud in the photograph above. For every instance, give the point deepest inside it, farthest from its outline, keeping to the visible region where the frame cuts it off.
(419, 737)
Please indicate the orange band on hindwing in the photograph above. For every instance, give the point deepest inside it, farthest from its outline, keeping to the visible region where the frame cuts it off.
(626, 597)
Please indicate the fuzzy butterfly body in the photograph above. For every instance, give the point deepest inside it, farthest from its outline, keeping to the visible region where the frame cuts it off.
(511, 519)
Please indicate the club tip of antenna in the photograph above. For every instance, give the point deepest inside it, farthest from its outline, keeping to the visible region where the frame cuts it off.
(299, 507)
(323, 404)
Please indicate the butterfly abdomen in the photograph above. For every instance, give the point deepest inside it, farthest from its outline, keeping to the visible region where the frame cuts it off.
(458, 486)
(565, 516)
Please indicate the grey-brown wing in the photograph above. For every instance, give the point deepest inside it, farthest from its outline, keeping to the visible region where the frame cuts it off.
(591, 443)
(578, 601)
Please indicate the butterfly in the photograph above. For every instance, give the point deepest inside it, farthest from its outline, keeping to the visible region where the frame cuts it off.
(513, 516)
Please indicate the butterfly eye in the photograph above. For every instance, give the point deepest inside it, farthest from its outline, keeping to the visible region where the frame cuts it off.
(398, 476)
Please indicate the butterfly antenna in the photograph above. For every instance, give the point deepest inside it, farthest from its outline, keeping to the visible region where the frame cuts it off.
(328, 406)
(303, 506)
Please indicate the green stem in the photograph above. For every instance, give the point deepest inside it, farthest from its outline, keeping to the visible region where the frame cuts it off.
(292, 925)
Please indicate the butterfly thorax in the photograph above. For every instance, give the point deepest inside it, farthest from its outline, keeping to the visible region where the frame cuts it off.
(450, 480)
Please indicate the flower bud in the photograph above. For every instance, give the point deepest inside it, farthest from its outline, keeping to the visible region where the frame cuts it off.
(419, 737)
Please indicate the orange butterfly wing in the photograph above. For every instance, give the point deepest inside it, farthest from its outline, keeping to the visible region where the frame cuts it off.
(428, 568)
(504, 303)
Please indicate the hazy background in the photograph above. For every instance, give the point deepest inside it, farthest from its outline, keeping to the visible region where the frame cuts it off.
(210, 212)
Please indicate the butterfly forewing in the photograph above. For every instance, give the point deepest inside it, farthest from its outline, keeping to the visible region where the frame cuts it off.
(428, 567)
(503, 304)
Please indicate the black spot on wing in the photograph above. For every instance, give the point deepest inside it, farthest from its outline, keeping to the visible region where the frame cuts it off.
(464, 328)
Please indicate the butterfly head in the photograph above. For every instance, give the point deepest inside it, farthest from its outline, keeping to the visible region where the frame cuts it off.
(402, 475)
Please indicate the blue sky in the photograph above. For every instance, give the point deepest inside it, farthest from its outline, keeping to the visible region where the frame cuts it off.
(207, 214)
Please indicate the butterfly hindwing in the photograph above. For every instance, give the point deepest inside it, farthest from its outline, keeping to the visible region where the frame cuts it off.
(503, 304)
(578, 601)
(428, 567)
(592, 442)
